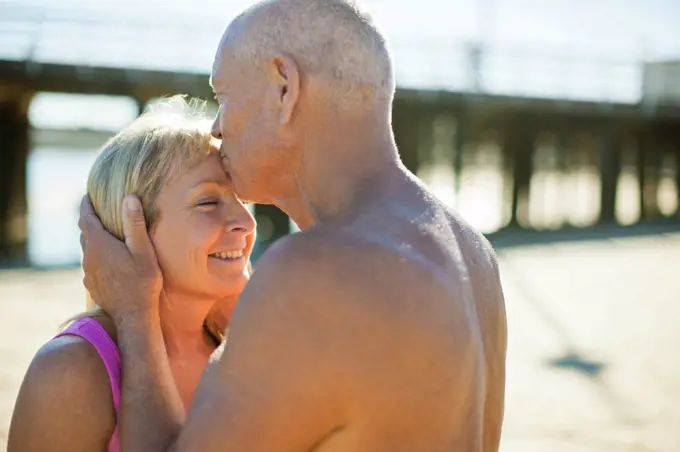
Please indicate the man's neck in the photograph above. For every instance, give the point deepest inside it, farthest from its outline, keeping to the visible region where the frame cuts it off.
(339, 175)
(182, 317)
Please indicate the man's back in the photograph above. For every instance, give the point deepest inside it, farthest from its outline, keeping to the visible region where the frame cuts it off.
(424, 315)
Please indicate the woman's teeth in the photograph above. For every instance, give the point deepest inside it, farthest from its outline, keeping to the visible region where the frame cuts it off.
(228, 255)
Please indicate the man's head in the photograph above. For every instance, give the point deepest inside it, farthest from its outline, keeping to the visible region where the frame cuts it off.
(285, 73)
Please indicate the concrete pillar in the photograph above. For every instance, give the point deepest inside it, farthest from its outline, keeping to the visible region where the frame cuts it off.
(564, 168)
(426, 139)
(14, 148)
(518, 150)
(648, 166)
(610, 169)
(461, 138)
(141, 105)
(677, 178)
(641, 173)
(406, 124)
(272, 224)
(673, 148)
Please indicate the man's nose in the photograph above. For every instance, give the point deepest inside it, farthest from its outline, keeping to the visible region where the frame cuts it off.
(215, 129)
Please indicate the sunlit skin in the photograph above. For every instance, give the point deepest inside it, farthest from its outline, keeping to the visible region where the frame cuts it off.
(199, 219)
(380, 327)
(200, 215)
(203, 237)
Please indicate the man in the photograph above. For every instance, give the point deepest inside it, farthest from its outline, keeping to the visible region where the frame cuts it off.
(380, 327)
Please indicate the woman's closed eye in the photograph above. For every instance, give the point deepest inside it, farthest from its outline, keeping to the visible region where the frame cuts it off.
(207, 203)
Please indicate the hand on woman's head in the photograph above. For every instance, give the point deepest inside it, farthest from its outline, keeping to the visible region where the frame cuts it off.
(122, 277)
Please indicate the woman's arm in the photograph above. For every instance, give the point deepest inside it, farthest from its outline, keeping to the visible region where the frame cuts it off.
(65, 401)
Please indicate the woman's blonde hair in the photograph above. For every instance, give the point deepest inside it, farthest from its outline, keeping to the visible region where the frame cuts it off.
(171, 136)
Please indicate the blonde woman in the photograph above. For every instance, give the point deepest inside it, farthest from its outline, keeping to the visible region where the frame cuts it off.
(202, 235)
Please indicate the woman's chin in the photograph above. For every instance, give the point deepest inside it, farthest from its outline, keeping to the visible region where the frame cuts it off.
(229, 286)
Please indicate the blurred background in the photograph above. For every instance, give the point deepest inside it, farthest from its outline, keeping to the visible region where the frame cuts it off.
(552, 126)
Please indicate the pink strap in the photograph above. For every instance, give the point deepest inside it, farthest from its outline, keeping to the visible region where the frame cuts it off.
(92, 331)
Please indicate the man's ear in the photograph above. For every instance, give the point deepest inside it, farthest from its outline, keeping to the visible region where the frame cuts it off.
(287, 77)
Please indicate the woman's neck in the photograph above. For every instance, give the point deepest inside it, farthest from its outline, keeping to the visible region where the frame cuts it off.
(182, 319)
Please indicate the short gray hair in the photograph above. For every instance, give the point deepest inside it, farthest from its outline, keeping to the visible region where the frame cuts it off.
(331, 38)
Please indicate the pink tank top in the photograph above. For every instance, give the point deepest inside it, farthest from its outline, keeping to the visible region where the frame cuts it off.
(92, 331)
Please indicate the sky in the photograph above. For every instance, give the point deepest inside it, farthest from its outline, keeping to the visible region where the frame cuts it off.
(535, 45)
(620, 28)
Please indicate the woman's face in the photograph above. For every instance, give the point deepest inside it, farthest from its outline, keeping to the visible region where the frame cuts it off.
(203, 234)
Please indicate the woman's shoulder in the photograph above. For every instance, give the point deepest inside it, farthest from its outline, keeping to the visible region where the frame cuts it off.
(65, 393)
(100, 317)
(106, 323)
(68, 364)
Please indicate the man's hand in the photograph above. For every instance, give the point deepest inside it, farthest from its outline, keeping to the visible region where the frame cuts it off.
(123, 278)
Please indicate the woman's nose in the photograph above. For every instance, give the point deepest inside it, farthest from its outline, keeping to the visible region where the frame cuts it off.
(242, 221)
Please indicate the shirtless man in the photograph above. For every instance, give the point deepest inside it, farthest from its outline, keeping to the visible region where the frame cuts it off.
(379, 328)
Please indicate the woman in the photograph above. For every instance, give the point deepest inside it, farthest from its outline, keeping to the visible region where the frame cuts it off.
(203, 236)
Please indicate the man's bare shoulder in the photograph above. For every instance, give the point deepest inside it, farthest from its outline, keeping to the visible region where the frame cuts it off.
(317, 242)
(472, 242)
(292, 342)
(307, 270)
(337, 273)
(348, 320)
(326, 259)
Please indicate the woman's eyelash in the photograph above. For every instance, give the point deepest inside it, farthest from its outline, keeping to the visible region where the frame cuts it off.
(207, 203)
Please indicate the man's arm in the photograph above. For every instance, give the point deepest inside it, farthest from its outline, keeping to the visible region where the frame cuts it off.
(125, 280)
(151, 411)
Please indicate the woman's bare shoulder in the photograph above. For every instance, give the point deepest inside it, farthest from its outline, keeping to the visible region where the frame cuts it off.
(69, 360)
(65, 401)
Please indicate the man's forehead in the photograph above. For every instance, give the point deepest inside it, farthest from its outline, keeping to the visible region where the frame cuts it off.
(217, 73)
(225, 65)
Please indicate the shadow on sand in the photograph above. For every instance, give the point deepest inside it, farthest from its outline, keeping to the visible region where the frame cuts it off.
(512, 237)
